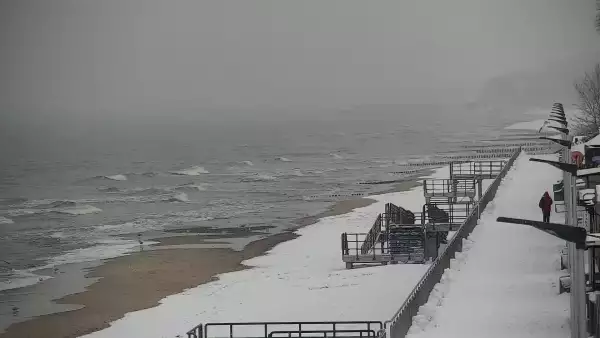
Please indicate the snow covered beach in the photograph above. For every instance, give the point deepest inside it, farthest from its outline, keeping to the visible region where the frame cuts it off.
(304, 279)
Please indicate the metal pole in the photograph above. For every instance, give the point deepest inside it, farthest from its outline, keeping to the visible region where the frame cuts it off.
(570, 248)
(576, 259)
(578, 273)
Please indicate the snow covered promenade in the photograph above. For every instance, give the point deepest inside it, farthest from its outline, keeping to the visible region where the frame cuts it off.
(504, 283)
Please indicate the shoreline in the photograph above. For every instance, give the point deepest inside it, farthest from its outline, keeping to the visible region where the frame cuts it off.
(143, 278)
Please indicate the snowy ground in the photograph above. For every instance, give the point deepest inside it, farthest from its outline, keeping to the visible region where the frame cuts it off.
(504, 284)
(300, 280)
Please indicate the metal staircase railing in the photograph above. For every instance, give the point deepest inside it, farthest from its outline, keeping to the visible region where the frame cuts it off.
(393, 215)
(372, 235)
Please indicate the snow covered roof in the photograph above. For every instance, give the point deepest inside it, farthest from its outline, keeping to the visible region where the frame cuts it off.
(595, 141)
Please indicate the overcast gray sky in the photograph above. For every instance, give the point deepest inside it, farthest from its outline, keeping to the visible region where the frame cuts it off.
(192, 56)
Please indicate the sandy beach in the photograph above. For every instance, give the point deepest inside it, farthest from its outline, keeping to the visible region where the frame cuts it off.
(139, 280)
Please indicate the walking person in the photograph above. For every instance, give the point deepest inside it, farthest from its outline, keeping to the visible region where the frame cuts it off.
(546, 206)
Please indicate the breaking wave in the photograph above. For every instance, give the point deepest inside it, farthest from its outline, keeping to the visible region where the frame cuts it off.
(4, 220)
(297, 172)
(293, 173)
(45, 207)
(284, 159)
(181, 197)
(248, 163)
(135, 226)
(17, 279)
(79, 210)
(103, 249)
(193, 171)
(119, 177)
(336, 156)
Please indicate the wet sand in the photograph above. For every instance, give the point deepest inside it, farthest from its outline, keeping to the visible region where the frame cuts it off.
(140, 280)
(137, 282)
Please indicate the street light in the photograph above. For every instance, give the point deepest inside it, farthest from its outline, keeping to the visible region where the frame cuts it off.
(572, 234)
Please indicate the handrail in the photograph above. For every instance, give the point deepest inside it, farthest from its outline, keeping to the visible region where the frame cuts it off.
(369, 242)
(300, 333)
(263, 329)
(402, 320)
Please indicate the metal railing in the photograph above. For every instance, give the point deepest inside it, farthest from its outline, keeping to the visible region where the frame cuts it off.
(375, 242)
(324, 334)
(447, 187)
(401, 322)
(331, 329)
(397, 215)
(393, 215)
(477, 170)
(371, 237)
(352, 245)
(452, 213)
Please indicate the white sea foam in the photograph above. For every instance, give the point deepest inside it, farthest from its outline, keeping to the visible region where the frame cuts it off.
(4, 220)
(248, 163)
(19, 279)
(297, 172)
(284, 159)
(336, 156)
(104, 249)
(181, 197)
(119, 177)
(193, 171)
(79, 210)
(192, 187)
(136, 226)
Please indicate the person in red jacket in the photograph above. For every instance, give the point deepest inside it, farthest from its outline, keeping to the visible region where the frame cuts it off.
(546, 206)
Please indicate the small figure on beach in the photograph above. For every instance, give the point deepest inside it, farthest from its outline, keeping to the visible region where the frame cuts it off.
(546, 206)
(141, 241)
